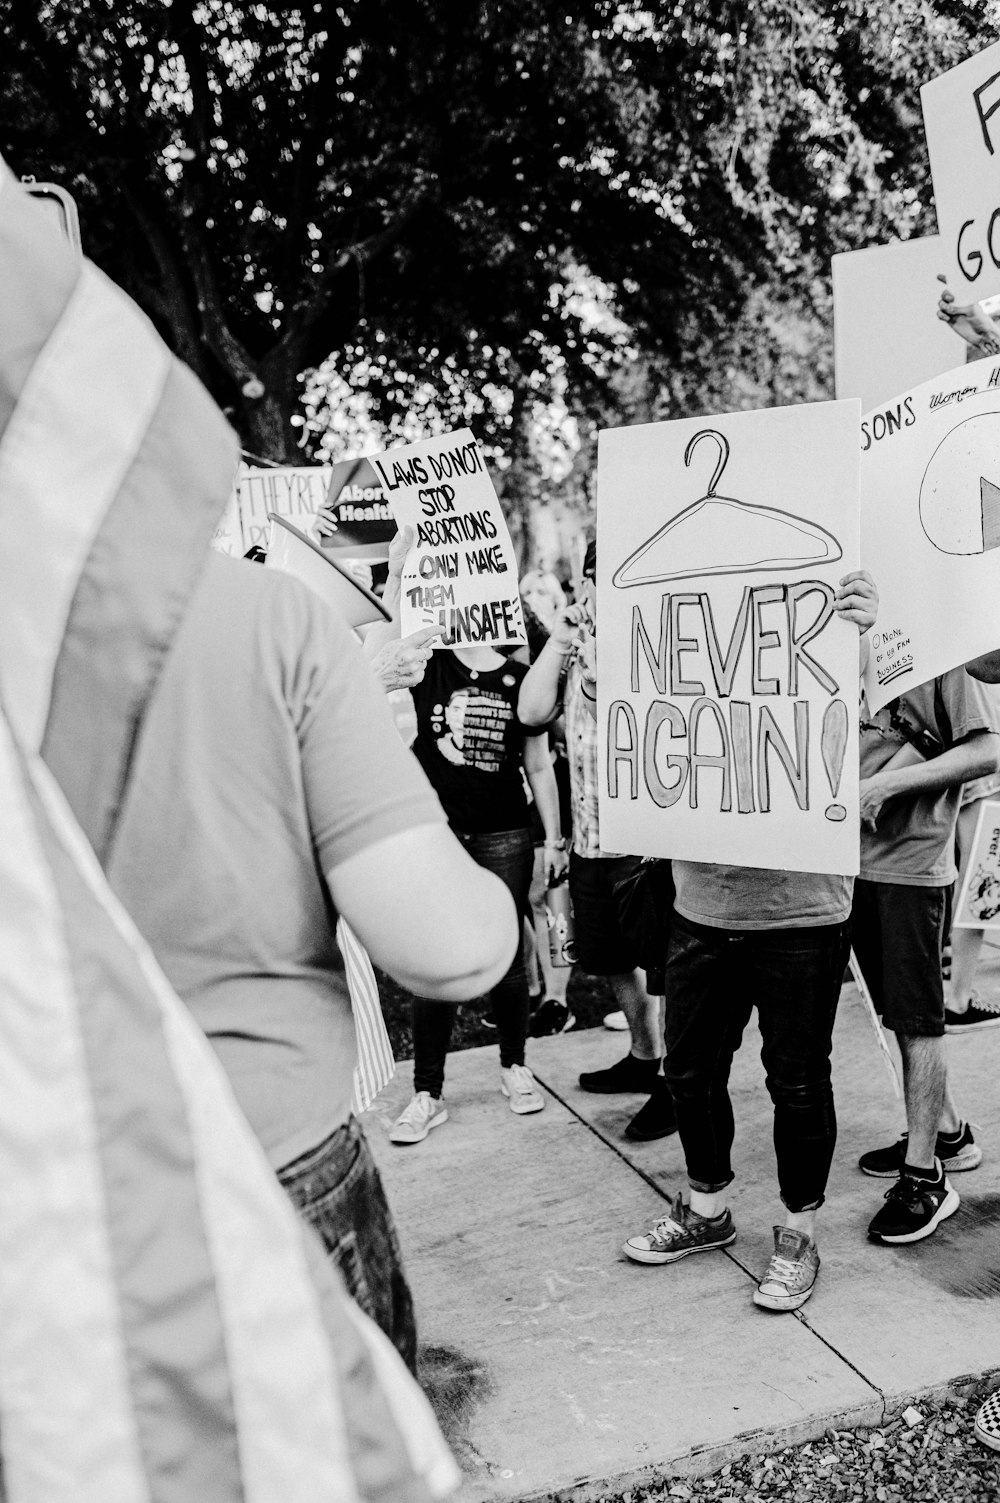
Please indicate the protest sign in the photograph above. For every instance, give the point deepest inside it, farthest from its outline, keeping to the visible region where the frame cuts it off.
(978, 905)
(887, 335)
(930, 523)
(727, 686)
(294, 491)
(962, 123)
(461, 573)
(357, 520)
(290, 550)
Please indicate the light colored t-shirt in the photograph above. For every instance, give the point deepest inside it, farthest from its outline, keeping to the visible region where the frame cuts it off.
(913, 844)
(754, 897)
(268, 757)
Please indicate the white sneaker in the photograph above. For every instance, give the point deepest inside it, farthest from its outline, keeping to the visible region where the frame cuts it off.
(423, 1113)
(616, 1021)
(518, 1085)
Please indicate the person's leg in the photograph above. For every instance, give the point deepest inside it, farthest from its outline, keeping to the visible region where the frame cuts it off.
(509, 855)
(432, 1024)
(796, 976)
(337, 1189)
(642, 1012)
(708, 1011)
(554, 979)
(913, 920)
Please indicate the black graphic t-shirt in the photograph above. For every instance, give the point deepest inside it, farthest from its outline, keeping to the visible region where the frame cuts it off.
(470, 741)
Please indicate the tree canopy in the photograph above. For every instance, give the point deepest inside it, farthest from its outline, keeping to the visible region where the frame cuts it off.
(477, 207)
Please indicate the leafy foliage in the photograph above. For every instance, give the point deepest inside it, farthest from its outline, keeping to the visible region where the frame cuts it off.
(477, 209)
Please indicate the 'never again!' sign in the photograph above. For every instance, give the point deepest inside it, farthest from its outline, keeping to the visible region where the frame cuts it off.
(727, 684)
(461, 573)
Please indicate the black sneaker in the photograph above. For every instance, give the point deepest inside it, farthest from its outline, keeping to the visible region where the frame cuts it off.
(976, 1016)
(551, 1016)
(656, 1119)
(956, 1155)
(629, 1074)
(914, 1208)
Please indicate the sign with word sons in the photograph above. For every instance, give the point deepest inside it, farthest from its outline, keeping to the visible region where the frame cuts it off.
(930, 527)
(978, 905)
(461, 573)
(727, 685)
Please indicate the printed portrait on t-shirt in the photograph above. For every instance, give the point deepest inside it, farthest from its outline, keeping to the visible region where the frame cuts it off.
(470, 728)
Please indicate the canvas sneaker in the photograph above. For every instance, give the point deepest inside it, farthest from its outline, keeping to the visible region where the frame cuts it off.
(914, 1208)
(523, 1095)
(987, 1426)
(616, 1021)
(423, 1113)
(791, 1273)
(680, 1233)
(975, 1017)
(956, 1154)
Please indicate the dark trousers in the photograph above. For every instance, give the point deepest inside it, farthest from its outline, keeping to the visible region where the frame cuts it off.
(510, 855)
(337, 1189)
(715, 977)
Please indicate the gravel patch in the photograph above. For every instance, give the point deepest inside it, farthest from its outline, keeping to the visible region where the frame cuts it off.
(937, 1458)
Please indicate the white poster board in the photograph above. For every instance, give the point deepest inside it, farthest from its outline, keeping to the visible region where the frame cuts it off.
(887, 336)
(461, 573)
(962, 123)
(294, 491)
(930, 527)
(727, 686)
(978, 905)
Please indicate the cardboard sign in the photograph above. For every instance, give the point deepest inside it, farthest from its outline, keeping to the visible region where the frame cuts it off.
(978, 906)
(296, 492)
(727, 686)
(461, 573)
(930, 522)
(290, 550)
(962, 122)
(887, 336)
(357, 519)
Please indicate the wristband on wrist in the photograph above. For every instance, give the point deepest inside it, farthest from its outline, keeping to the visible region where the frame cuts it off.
(556, 845)
(563, 652)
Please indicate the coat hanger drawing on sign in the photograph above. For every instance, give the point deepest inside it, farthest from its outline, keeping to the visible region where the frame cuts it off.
(721, 535)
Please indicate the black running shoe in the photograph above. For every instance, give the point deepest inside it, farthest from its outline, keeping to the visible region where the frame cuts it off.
(549, 1017)
(956, 1155)
(974, 1017)
(656, 1119)
(629, 1074)
(914, 1208)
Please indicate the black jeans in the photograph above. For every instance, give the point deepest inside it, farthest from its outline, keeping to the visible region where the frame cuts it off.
(337, 1189)
(715, 977)
(510, 855)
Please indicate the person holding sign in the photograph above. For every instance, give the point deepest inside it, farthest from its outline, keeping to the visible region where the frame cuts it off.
(908, 818)
(743, 937)
(473, 748)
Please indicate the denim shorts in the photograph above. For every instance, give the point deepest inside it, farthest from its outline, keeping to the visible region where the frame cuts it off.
(337, 1189)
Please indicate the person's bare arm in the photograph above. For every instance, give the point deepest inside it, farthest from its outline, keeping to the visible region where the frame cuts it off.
(538, 700)
(441, 925)
(986, 668)
(975, 757)
(542, 781)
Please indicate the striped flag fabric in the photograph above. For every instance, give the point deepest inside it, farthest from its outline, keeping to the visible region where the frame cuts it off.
(376, 1064)
(169, 1330)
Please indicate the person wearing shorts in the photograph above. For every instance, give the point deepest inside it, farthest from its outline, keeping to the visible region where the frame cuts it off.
(564, 674)
(909, 810)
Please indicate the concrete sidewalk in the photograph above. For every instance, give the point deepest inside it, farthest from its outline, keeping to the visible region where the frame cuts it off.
(556, 1363)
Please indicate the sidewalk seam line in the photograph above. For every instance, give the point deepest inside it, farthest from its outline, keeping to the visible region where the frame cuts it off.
(641, 1174)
